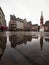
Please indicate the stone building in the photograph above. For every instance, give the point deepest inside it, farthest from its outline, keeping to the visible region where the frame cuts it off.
(46, 26)
(15, 23)
(25, 25)
(2, 20)
(12, 23)
(19, 23)
(29, 24)
(34, 27)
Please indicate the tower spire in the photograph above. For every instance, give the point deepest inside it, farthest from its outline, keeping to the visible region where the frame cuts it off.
(41, 13)
(41, 19)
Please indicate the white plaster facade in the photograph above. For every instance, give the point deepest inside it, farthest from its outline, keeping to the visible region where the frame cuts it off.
(12, 25)
(19, 25)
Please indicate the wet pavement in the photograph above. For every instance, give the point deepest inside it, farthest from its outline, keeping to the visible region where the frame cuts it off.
(24, 48)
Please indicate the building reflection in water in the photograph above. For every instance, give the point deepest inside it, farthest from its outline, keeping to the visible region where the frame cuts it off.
(19, 39)
(3, 41)
(41, 42)
(47, 39)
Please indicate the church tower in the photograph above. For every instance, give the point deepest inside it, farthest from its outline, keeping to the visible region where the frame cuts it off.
(41, 19)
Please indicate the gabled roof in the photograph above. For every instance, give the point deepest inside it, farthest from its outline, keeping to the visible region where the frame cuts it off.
(19, 19)
(35, 25)
(29, 22)
(47, 23)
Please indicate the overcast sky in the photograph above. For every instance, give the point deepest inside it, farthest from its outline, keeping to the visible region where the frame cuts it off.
(29, 9)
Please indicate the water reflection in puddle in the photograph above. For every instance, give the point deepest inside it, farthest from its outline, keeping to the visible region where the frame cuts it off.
(21, 49)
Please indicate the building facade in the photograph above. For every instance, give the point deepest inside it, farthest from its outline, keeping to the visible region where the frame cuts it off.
(46, 26)
(25, 25)
(15, 23)
(19, 23)
(29, 24)
(34, 27)
(2, 20)
(12, 23)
